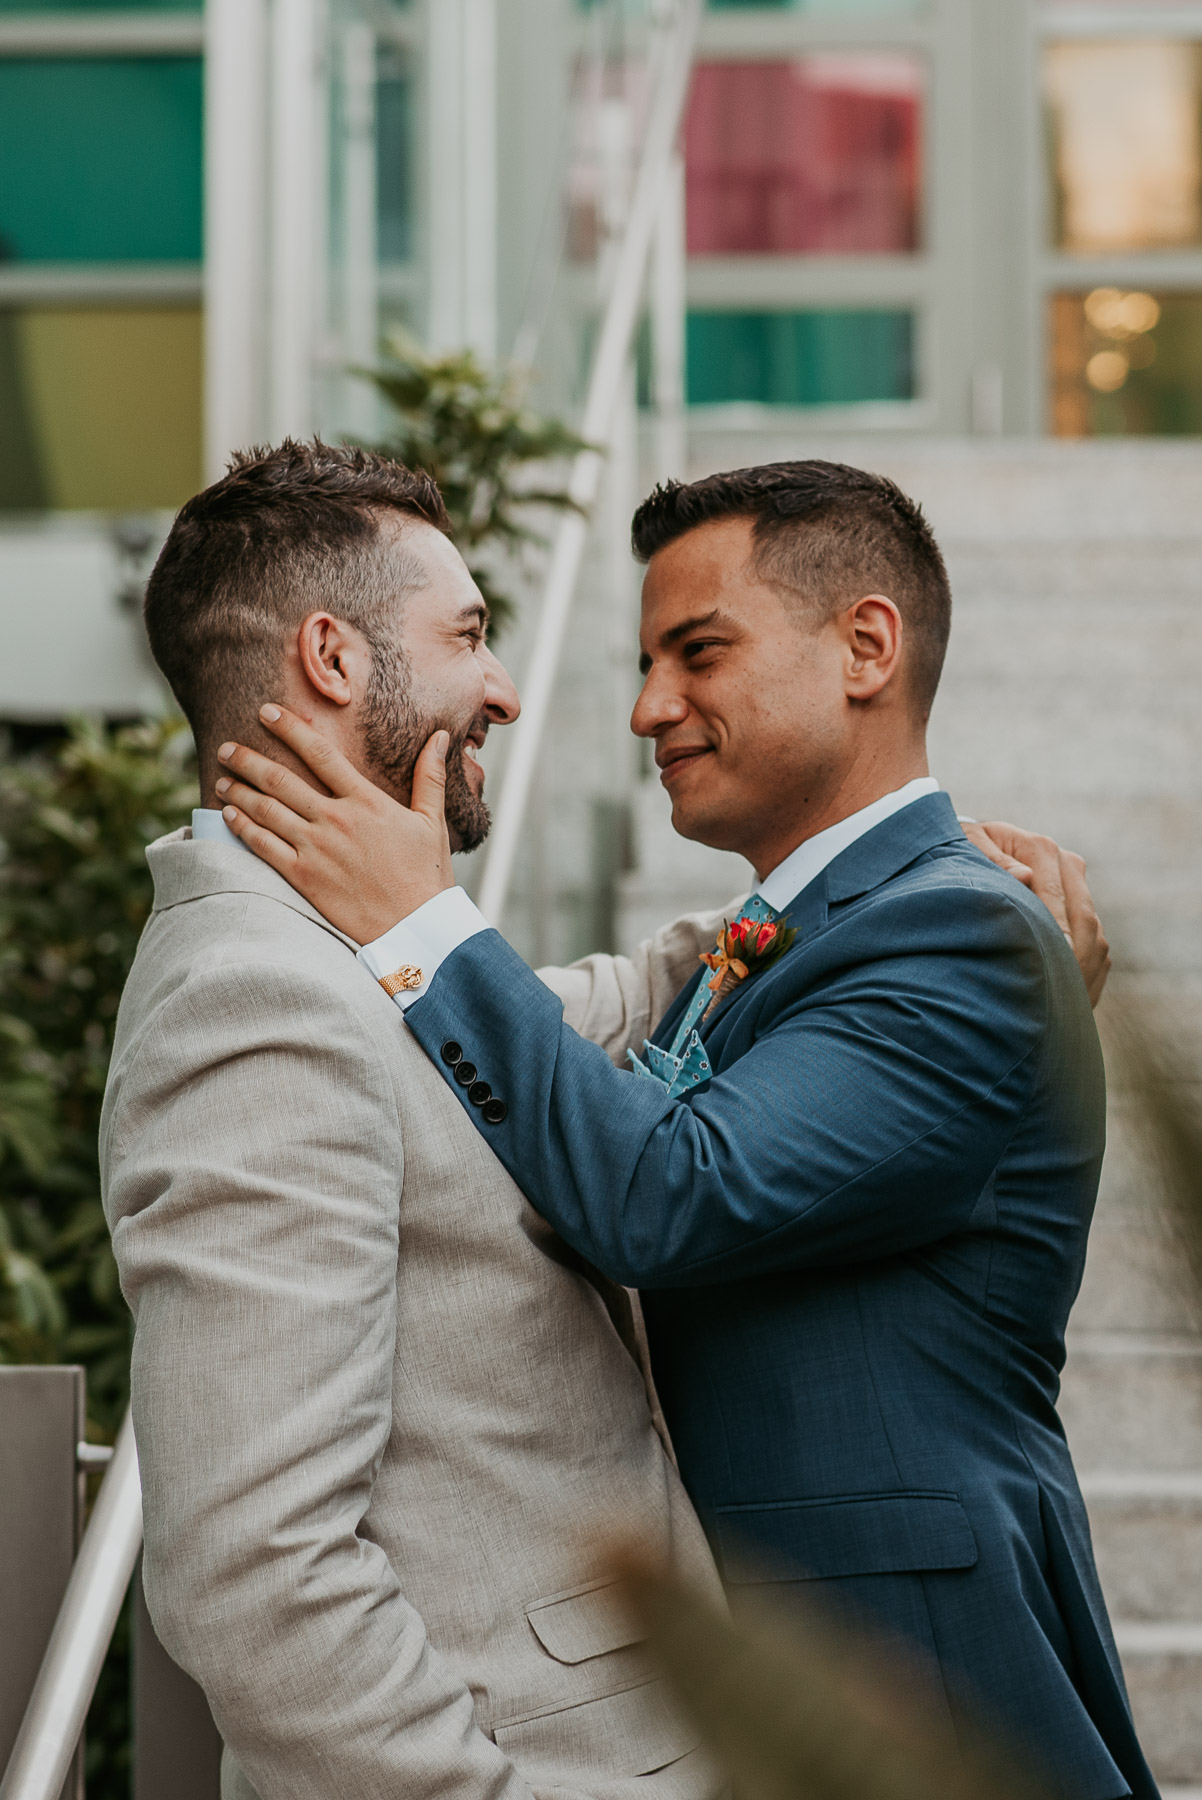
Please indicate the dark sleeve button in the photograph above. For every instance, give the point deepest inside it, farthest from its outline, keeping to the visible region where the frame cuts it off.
(465, 1073)
(495, 1112)
(452, 1053)
(479, 1093)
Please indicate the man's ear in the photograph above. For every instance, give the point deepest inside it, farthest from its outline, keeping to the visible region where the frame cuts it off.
(873, 636)
(335, 659)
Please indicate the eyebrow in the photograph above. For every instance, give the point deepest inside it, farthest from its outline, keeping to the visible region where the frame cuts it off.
(699, 622)
(477, 610)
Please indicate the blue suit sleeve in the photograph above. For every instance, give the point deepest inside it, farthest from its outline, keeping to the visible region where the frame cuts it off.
(876, 1094)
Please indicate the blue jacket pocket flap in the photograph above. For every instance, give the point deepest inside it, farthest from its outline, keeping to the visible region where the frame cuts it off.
(849, 1534)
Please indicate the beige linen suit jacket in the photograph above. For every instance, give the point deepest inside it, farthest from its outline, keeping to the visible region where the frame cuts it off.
(387, 1421)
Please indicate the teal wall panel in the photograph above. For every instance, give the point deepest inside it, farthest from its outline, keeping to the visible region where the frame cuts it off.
(800, 358)
(101, 159)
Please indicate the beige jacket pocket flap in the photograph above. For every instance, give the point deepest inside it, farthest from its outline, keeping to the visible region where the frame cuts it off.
(633, 1732)
(588, 1622)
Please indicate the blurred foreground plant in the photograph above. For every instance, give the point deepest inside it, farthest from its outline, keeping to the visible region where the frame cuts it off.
(75, 892)
(465, 425)
(811, 1711)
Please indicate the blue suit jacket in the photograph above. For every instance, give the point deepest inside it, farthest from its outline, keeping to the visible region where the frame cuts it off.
(858, 1245)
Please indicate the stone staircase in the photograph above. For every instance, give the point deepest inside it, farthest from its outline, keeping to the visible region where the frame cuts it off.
(1072, 702)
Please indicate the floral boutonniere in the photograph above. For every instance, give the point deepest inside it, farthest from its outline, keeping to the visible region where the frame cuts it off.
(744, 948)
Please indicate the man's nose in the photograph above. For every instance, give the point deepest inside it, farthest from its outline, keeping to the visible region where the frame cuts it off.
(500, 696)
(658, 706)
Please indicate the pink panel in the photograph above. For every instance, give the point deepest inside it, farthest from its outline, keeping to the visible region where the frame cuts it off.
(819, 154)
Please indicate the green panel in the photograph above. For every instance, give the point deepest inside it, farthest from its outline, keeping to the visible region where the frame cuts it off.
(800, 358)
(101, 159)
(100, 406)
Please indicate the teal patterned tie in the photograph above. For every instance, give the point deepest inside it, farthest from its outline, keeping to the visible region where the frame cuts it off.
(687, 1062)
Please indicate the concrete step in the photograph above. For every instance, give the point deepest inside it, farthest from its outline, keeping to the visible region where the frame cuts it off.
(1163, 1666)
(1132, 1401)
(1147, 1535)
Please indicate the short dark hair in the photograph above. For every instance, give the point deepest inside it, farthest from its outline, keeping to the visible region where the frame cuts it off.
(285, 532)
(829, 534)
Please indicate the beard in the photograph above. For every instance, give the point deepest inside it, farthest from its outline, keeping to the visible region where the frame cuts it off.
(396, 729)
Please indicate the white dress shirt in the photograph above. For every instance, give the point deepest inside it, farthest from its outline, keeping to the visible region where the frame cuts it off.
(206, 823)
(420, 944)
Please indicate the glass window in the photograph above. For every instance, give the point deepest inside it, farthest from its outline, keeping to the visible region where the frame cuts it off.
(1126, 362)
(1126, 144)
(829, 358)
(395, 155)
(817, 154)
(99, 407)
(100, 159)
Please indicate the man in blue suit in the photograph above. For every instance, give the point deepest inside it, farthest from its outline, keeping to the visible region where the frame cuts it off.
(854, 1171)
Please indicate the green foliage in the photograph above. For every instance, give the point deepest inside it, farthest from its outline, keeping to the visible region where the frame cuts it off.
(466, 426)
(75, 892)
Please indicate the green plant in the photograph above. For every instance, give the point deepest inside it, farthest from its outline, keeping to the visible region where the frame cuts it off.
(465, 425)
(75, 892)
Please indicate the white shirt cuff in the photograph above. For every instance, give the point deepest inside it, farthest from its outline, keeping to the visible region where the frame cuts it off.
(406, 959)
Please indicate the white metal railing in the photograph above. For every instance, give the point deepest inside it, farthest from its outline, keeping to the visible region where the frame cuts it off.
(58, 1706)
(672, 69)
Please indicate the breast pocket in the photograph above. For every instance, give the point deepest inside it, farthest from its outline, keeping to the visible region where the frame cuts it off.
(845, 1534)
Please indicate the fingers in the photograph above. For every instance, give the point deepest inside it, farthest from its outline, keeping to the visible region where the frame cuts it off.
(979, 835)
(430, 779)
(265, 844)
(290, 789)
(262, 810)
(317, 753)
(1085, 933)
(1041, 855)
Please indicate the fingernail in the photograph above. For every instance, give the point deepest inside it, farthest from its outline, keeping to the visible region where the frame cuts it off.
(224, 785)
(229, 814)
(225, 752)
(270, 713)
(442, 743)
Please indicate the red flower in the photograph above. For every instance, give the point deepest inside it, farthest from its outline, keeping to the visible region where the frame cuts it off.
(764, 937)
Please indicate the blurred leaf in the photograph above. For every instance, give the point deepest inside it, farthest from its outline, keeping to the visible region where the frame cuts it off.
(810, 1711)
(466, 426)
(75, 892)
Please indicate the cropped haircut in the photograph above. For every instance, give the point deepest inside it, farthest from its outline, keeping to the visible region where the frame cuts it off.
(828, 535)
(284, 533)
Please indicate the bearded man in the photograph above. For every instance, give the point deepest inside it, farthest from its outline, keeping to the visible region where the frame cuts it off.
(853, 1171)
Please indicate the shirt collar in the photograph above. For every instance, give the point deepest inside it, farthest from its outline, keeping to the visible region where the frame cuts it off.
(208, 823)
(800, 867)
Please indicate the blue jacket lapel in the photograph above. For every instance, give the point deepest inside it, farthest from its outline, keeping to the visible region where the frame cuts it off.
(867, 864)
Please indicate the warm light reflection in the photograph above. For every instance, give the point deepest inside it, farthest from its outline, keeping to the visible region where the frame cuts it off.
(1121, 315)
(1125, 362)
(1127, 143)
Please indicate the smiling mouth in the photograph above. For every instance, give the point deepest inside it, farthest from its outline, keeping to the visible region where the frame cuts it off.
(472, 745)
(673, 763)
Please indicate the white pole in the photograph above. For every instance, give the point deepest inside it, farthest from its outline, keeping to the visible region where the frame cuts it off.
(235, 218)
(446, 158)
(613, 349)
(78, 1644)
(480, 176)
(668, 302)
(296, 181)
(360, 292)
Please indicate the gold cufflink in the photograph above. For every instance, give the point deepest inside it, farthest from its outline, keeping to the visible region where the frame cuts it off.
(402, 980)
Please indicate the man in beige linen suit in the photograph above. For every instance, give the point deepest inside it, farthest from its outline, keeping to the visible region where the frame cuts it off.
(386, 1420)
